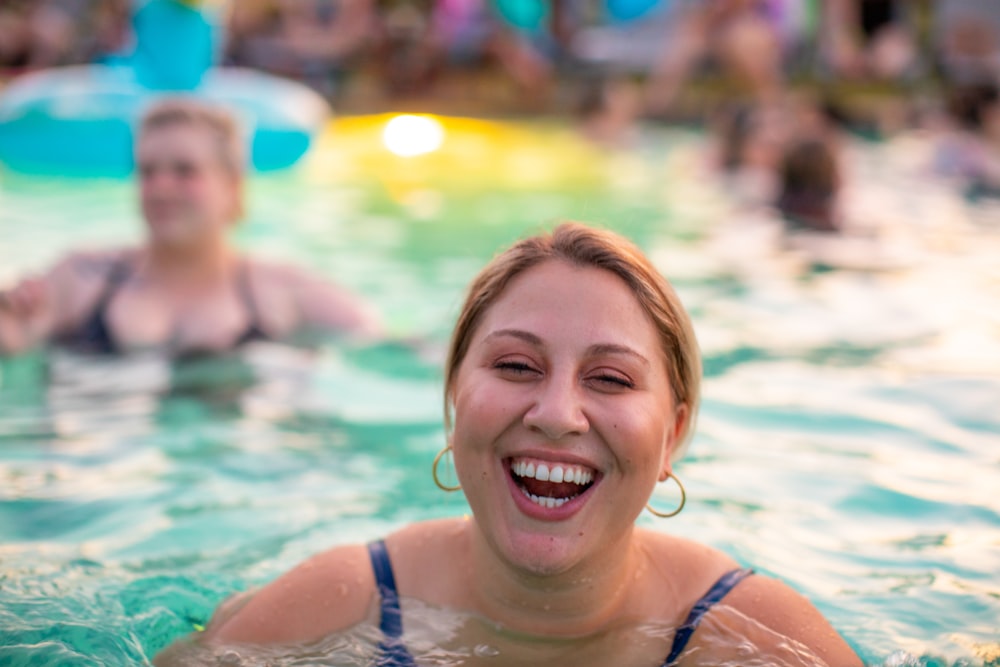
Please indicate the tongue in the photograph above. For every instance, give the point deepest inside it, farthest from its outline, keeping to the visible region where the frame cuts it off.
(549, 489)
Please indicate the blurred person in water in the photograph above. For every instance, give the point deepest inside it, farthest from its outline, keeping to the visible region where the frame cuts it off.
(73, 32)
(966, 36)
(968, 142)
(15, 27)
(571, 386)
(423, 42)
(314, 41)
(809, 186)
(747, 38)
(752, 145)
(186, 289)
(748, 143)
(868, 39)
(608, 111)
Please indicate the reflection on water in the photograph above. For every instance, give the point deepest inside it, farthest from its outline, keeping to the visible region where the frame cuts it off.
(847, 441)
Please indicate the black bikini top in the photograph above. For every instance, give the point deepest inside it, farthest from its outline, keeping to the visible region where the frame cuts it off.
(94, 336)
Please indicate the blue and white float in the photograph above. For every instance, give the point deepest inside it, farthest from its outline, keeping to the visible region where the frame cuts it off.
(532, 15)
(80, 120)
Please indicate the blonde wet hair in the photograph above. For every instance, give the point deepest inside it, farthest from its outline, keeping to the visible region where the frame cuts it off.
(583, 246)
(220, 123)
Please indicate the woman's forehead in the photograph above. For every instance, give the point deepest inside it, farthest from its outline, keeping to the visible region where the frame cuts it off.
(555, 278)
(556, 296)
(179, 132)
(187, 140)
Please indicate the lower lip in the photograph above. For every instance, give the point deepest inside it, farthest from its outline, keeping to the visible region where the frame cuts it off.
(536, 511)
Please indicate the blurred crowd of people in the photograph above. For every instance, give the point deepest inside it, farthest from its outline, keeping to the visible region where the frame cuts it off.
(621, 60)
(758, 43)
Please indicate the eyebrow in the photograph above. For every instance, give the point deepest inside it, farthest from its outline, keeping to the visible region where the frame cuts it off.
(611, 348)
(593, 350)
(515, 333)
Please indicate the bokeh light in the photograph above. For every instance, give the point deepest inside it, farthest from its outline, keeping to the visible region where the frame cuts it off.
(408, 135)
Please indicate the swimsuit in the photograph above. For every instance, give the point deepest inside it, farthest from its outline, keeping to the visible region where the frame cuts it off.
(94, 336)
(393, 653)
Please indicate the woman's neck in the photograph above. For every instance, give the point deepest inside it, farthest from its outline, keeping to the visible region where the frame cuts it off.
(200, 263)
(592, 597)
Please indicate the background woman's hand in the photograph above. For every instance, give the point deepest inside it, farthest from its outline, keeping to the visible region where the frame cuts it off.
(25, 299)
(22, 309)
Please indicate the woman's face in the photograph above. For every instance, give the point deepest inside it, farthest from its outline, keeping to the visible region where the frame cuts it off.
(186, 192)
(564, 379)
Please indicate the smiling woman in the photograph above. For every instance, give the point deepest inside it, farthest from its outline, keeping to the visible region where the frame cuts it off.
(571, 388)
(186, 289)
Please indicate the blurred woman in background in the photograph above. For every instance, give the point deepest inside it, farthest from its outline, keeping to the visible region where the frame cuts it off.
(186, 289)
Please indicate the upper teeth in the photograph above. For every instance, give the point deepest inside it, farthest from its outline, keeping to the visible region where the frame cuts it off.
(552, 472)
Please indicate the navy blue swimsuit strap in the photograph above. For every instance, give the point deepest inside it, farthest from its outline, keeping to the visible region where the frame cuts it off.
(254, 330)
(719, 589)
(392, 651)
(94, 335)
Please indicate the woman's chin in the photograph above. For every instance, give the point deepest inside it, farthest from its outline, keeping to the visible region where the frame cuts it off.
(173, 237)
(543, 553)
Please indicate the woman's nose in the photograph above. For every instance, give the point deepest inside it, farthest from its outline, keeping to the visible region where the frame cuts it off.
(557, 410)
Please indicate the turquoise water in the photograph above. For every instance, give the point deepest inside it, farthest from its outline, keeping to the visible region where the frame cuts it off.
(848, 440)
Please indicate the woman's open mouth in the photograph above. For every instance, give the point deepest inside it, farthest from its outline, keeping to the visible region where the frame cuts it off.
(550, 484)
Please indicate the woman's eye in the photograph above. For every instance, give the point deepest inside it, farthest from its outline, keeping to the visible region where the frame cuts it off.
(613, 381)
(514, 368)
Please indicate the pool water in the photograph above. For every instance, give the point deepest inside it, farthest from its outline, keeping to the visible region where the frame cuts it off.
(849, 440)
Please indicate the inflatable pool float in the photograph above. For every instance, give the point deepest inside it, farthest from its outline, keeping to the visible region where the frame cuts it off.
(80, 120)
(532, 15)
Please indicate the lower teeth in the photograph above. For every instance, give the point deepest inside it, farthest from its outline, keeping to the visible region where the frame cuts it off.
(545, 501)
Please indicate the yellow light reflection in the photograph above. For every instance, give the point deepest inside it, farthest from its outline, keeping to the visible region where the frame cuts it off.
(408, 135)
(475, 155)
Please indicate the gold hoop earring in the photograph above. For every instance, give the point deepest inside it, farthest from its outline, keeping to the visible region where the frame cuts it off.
(667, 515)
(434, 472)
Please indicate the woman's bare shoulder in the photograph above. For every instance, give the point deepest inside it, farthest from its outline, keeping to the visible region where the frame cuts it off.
(86, 266)
(776, 613)
(759, 611)
(321, 303)
(97, 258)
(331, 591)
(686, 568)
(422, 545)
(420, 532)
(276, 271)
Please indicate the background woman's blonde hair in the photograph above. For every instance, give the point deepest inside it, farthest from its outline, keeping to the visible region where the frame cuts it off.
(585, 246)
(221, 123)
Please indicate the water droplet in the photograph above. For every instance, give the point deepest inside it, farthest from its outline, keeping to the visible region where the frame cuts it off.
(485, 651)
